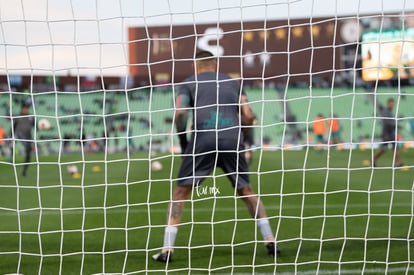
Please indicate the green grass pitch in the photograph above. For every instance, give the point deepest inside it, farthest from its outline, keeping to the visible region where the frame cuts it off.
(329, 212)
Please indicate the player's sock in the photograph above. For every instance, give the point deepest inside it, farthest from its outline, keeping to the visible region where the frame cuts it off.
(169, 237)
(265, 229)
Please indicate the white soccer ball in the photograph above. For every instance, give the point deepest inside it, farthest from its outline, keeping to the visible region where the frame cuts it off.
(72, 169)
(44, 124)
(156, 166)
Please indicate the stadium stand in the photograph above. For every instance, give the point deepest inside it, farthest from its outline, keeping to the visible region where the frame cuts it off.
(142, 119)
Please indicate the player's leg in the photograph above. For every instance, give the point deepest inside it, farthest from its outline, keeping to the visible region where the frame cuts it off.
(174, 214)
(379, 153)
(236, 167)
(202, 165)
(27, 152)
(335, 137)
(253, 204)
(319, 142)
(397, 158)
(258, 212)
(176, 206)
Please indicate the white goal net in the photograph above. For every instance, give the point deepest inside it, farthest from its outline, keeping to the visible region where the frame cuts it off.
(90, 156)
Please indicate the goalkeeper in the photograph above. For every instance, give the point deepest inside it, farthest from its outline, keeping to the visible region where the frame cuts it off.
(389, 133)
(22, 128)
(219, 109)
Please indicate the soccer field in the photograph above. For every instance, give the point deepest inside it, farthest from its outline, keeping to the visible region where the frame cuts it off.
(329, 212)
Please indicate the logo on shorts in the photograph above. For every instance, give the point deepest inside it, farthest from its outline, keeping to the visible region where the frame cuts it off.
(207, 191)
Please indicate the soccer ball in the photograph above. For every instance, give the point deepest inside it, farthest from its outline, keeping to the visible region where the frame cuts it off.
(72, 169)
(44, 124)
(156, 166)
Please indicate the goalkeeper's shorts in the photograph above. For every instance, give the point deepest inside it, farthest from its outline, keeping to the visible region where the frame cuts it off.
(195, 168)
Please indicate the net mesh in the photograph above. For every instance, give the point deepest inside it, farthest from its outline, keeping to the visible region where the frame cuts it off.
(87, 190)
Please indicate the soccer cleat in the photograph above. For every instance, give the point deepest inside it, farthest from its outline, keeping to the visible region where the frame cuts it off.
(272, 249)
(164, 257)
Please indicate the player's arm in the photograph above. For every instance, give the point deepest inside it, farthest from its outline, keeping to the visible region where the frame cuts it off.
(246, 113)
(380, 108)
(180, 118)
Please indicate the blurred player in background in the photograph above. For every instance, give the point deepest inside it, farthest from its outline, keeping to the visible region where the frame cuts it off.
(410, 126)
(334, 129)
(2, 138)
(319, 130)
(22, 130)
(219, 109)
(389, 133)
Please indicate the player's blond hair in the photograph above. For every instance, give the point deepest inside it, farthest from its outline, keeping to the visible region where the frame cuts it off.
(205, 59)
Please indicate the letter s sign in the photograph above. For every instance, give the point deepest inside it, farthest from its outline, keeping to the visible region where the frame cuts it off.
(213, 35)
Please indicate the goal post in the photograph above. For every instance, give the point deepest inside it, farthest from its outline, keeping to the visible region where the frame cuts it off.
(89, 153)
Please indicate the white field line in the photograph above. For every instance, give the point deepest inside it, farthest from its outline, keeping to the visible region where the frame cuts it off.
(398, 270)
(390, 270)
(144, 208)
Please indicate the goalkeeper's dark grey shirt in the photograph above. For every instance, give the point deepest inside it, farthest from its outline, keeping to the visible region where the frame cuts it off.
(388, 124)
(216, 138)
(214, 99)
(23, 125)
